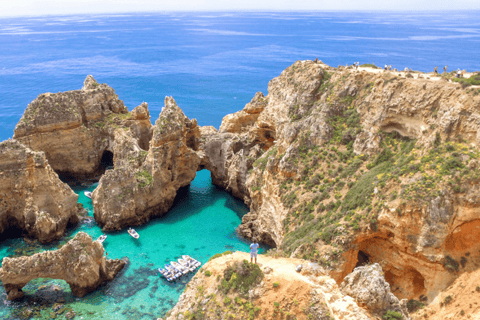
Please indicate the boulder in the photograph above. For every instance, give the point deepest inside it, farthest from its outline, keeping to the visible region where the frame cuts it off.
(368, 287)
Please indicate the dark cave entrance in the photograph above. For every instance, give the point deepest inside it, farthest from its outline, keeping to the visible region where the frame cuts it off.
(107, 160)
(363, 259)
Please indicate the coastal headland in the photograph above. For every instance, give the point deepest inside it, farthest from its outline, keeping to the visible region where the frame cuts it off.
(342, 167)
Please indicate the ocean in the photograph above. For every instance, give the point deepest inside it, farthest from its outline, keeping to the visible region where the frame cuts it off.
(212, 64)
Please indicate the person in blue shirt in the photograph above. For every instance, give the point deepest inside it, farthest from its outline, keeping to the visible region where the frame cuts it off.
(254, 250)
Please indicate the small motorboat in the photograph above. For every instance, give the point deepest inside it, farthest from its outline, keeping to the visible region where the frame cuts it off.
(187, 264)
(166, 274)
(173, 270)
(133, 233)
(102, 238)
(179, 267)
(88, 194)
(192, 261)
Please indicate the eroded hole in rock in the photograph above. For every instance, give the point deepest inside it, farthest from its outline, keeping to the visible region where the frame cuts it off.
(363, 259)
(12, 228)
(107, 160)
(266, 239)
(46, 291)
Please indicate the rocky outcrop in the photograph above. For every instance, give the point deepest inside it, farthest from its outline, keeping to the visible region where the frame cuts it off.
(310, 294)
(358, 166)
(33, 200)
(144, 185)
(368, 287)
(75, 128)
(80, 263)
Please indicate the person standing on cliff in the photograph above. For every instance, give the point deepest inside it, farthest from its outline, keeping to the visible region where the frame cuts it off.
(254, 250)
(435, 71)
(445, 69)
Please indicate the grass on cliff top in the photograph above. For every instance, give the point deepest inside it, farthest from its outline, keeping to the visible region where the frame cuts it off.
(241, 277)
(474, 80)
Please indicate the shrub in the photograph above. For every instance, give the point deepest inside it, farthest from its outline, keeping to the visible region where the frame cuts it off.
(276, 284)
(392, 315)
(450, 264)
(447, 300)
(413, 305)
(241, 276)
(208, 273)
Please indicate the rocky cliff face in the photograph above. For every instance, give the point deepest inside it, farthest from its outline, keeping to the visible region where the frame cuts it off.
(361, 166)
(146, 185)
(310, 294)
(33, 200)
(80, 263)
(75, 128)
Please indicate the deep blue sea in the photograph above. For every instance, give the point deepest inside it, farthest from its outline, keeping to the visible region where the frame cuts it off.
(212, 64)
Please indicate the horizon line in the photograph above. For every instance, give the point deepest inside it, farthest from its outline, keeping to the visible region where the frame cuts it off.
(237, 11)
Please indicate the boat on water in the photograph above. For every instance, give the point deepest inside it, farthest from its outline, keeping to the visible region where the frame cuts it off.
(192, 261)
(88, 194)
(187, 264)
(179, 267)
(168, 275)
(173, 270)
(102, 238)
(133, 233)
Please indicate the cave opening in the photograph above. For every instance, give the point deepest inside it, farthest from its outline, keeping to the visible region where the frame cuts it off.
(362, 259)
(107, 160)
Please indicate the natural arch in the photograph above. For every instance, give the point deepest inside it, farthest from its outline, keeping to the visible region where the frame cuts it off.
(362, 259)
(80, 263)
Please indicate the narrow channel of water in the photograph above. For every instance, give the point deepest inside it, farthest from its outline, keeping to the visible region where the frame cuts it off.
(201, 223)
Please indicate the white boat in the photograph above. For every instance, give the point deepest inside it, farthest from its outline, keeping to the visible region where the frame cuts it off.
(187, 264)
(168, 275)
(173, 270)
(102, 238)
(192, 261)
(133, 233)
(88, 194)
(179, 267)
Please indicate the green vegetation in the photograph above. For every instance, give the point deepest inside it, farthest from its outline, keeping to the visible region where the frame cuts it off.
(414, 305)
(241, 277)
(450, 264)
(217, 255)
(276, 284)
(144, 178)
(392, 315)
(369, 65)
(208, 273)
(474, 80)
(448, 299)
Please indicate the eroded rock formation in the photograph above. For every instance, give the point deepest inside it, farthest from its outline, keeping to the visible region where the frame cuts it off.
(75, 128)
(33, 200)
(368, 287)
(80, 262)
(363, 166)
(146, 185)
(311, 294)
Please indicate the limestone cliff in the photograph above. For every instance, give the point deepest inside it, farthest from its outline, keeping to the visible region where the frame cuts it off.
(80, 262)
(279, 292)
(146, 185)
(363, 165)
(75, 128)
(33, 200)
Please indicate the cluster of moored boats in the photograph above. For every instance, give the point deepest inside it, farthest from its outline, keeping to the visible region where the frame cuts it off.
(175, 270)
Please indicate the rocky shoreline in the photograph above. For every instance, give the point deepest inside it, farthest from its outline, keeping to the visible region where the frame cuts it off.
(339, 166)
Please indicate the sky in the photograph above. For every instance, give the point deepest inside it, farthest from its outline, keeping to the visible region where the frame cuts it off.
(11, 8)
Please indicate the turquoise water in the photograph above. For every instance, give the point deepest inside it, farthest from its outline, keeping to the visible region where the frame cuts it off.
(202, 222)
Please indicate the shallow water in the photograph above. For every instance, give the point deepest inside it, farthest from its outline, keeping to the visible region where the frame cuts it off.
(201, 223)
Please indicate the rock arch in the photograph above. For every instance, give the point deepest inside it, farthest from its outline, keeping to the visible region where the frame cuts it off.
(80, 263)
